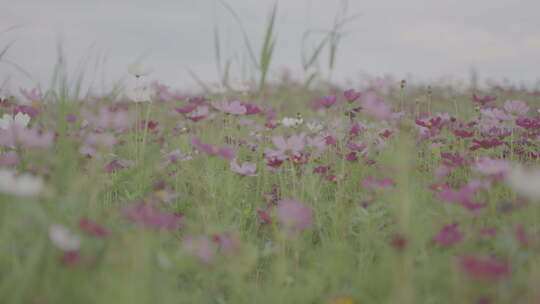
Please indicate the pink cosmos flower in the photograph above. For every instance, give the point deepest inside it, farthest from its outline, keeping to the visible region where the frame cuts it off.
(201, 248)
(228, 243)
(151, 217)
(483, 100)
(224, 152)
(34, 95)
(376, 107)
(492, 167)
(497, 114)
(247, 169)
(294, 216)
(448, 235)
(116, 165)
(285, 146)
(352, 95)
(326, 102)
(489, 268)
(235, 107)
(200, 112)
(89, 226)
(26, 137)
(516, 108)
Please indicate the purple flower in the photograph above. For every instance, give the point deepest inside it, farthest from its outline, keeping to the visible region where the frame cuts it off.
(448, 235)
(116, 165)
(326, 101)
(352, 95)
(93, 228)
(151, 217)
(33, 96)
(377, 107)
(235, 107)
(294, 216)
(225, 152)
(489, 268)
(293, 144)
(247, 169)
(492, 167)
(484, 100)
(516, 108)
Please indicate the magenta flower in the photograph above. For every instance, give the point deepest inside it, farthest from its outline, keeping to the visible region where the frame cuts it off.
(497, 114)
(326, 102)
(483, 100)
(224, 152)
(352, 95)
(235, 107)
(294, 216)
(93, 228)
(151, 217)
(247, 169)
(489, 268)
(485, 144)
(516, 108)
(185, 110)
(116, 165)
(201, 248)
(448, 235)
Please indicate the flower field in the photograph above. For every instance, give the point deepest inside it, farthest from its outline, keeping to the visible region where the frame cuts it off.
(385, 193)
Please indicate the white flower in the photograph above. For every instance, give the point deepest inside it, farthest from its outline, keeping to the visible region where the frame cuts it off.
(139, 94)
(291, 122)
(20, 119)
(525, 182)
(22, 185)
(137, 69)
(314, 126)
(62, 238)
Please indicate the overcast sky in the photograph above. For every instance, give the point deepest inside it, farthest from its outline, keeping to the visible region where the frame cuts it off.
(424, 38)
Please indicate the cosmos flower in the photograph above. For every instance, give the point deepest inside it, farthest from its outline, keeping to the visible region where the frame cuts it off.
(89, 226)
(234, 107)
(291, 122)
(491, 167)
(247, 169)
(377, 107)
(20, 119)
(525, 181)
(151, 217)
(487, 268)
(516, 108)
(63, 239)
(23, 185)
(448, 235)
(294, 216)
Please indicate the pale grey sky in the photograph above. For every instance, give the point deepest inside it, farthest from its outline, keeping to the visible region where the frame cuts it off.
(428, 39)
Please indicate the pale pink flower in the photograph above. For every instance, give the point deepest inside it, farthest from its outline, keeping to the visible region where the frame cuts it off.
(294, 216)
(247, 169)
(516, 108)
(234, 107)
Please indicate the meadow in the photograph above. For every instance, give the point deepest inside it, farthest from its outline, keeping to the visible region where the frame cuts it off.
(279, 191)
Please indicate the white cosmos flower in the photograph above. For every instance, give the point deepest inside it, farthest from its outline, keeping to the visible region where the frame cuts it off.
(137, 69)
(525, 182)
(291, 122)
(62, 238)
(22, 185)
(314, 126)
(139, 94)
(20, 119)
